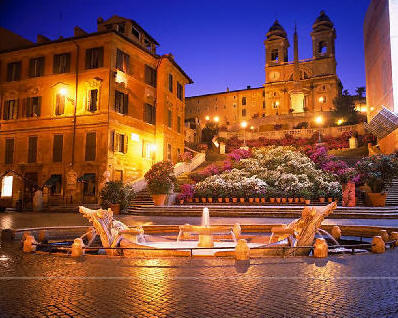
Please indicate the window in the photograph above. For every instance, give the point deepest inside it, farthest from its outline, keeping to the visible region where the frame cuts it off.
(61, 63)
(91, 146)
(179, 124)
(323, 47)
(32, 149)
(243, 112)
(10, 109)
(32, 107)
(6, 186)
(89, 184)
(9, 151)
(171, 83)
(122, 61)
(243, 100)
(36, 67)
(169, 118)
(121, 102)
(135, 32)
(275, 104)
(93, 100)
(120, 27)
(148, 150)
(58, 143)
(94, 57)
(150, 76)
(59, 104)
(14, 71)
(118, 175)
(121, 143)
(55, 184)
(179, 91)
(149, 114)
(263, 93)
(275, 55)
(263, 104)
(169, 152)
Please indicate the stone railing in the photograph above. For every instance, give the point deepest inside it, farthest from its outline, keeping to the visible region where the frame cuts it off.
(298, 133)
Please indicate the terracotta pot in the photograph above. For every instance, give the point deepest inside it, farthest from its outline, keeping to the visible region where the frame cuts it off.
(290, 200)
(377, 199)
(197, 200)
(272, 200)
(278, 200)
(330, 200)
(263, 200)
(307, 202)
(302, 200)
(234, 200)
(241, 200)
(203, 200)
(284, 200)
(251, 200)
(257, 200)
(296, 200)
(210, 200)
(181, 202)
(226, 200)
(322, 200)
(115, 208)
(189, 200)
(219, 200)
(159, 199)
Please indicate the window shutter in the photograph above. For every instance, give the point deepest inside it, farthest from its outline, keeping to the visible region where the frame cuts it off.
(67, 68)
(6, 110)
(91, 146)
(32, 67)
(127, 63)
(24, 108)
(9, 153)
(57, 147)
(112, 141)
(56, 64)
(41, 66)
(16, 109)
(38, 111)
(126, 141)
(126, 103)
(88, 58)
(100, 57)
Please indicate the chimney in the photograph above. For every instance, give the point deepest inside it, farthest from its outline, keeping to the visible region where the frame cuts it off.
(100, 20)
(78, 31)
(42, 39)
(248, 86)
(227, 89)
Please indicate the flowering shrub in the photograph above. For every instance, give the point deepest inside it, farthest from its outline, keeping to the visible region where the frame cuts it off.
(203, 147)
(186, 192)
(160, 177)
(185, 157)
(239, 154)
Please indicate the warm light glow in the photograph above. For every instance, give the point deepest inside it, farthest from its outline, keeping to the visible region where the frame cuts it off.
(120, 77)
(153, 147)
(207, 117)
(135, 137)
(63, 91)
(216, 119)
(319, 120)
(372, 108)
(252, 127)
(340, 121)
(6, 186)
(321, 99)
(243, 124)
(277, 103)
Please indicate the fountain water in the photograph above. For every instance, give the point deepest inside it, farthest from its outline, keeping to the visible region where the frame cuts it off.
(205, 217)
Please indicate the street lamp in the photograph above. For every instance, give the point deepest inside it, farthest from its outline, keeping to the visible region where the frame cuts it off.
(243, 124)
(207, 118)
(319, 121)
(216, 119)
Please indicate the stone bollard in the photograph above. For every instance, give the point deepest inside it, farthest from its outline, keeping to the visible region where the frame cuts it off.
(237, 230)
(378, 245)
(394, 237)
(384, 235)
(42, 236)
(7, 235)
(242, 250)
(77, 248)
(29, 244)
(336, 232)
(320, 248)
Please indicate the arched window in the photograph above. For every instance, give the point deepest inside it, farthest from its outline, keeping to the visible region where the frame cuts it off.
(275, 55)
(322, 48)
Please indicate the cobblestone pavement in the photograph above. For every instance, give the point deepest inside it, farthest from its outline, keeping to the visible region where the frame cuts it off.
(33, 285)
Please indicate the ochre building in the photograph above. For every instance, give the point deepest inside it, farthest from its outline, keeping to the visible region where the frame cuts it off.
(294, 91)
(79, 111)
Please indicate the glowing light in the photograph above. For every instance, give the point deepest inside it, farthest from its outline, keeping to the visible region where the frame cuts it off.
(243, 124)
(63, 91)
(120, 77)
(319, 120)
(135, 137)
(321, 99)
(216, 119)
(364, 109)
(340, 121)
(6, 186)
(252, 127)
(153, 147)
(372, 108)
(277, 103)
(207, 117)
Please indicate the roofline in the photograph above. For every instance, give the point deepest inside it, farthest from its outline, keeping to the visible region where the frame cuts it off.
(34, 45)
(219, 93)
(146, 33)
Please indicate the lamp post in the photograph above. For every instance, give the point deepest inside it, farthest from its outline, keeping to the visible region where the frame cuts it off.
(243, 124)
(319, 121)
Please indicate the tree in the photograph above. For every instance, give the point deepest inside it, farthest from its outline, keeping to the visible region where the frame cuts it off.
(345, 108)
(360, 91)
(210, 130)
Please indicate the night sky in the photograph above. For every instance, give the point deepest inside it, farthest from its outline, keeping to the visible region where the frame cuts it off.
(218, 43)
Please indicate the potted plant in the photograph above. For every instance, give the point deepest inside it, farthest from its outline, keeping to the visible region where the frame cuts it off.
(321, 195)
(378, 172)
(271, 194)
(307, 195)
(186, 193)
(116, 196)
(160, 180)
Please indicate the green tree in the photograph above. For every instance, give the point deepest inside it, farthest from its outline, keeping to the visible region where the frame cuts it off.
(360, 91)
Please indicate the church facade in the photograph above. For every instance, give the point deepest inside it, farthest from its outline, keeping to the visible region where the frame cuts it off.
(293, 92)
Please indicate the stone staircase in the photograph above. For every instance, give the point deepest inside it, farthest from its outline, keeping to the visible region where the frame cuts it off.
(392, 194)
(142, 199)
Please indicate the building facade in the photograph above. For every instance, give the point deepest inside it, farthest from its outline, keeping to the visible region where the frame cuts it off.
(79, 111)
(381, 63)
(297, 88)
